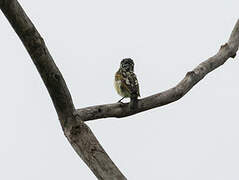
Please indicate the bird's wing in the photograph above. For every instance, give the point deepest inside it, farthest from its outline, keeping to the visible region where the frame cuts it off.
(130, 83)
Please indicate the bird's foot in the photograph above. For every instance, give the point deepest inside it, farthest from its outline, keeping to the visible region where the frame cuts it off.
(120, 101)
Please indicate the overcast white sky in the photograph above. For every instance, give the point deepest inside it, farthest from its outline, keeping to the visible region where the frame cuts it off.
(195, 138)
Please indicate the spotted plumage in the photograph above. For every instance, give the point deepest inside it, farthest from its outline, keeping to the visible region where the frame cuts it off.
(126, 83)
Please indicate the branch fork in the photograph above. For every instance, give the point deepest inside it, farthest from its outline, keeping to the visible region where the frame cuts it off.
(72, 120)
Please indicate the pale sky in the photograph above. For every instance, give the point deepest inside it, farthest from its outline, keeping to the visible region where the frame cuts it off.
(195, 138)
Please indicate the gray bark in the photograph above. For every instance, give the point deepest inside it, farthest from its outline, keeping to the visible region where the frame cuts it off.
(120, 110)
(77, 132)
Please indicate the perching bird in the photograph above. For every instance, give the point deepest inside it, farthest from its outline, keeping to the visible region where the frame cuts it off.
(126, 83)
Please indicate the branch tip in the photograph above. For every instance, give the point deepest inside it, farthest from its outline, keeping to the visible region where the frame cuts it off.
(226, 51)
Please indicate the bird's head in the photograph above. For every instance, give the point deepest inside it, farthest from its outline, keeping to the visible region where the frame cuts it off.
(127, 64)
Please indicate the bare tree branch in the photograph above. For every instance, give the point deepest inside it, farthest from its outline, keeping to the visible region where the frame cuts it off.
(119, 110)
(36, 48)
(79, 134)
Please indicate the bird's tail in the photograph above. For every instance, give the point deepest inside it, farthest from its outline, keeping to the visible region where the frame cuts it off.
(133, 102)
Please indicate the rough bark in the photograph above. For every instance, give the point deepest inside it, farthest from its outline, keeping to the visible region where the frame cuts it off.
(120, 110)
(77, 132)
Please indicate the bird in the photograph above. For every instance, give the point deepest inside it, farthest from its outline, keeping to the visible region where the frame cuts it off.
(126, 83)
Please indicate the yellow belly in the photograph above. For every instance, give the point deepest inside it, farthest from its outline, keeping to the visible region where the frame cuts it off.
(121, 91)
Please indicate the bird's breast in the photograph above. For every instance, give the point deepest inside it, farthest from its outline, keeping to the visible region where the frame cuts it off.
(117, 85)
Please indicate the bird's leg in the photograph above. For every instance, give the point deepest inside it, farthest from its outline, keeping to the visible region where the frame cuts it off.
(121, 100)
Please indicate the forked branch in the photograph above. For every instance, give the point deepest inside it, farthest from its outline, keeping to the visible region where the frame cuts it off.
(77, 132)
